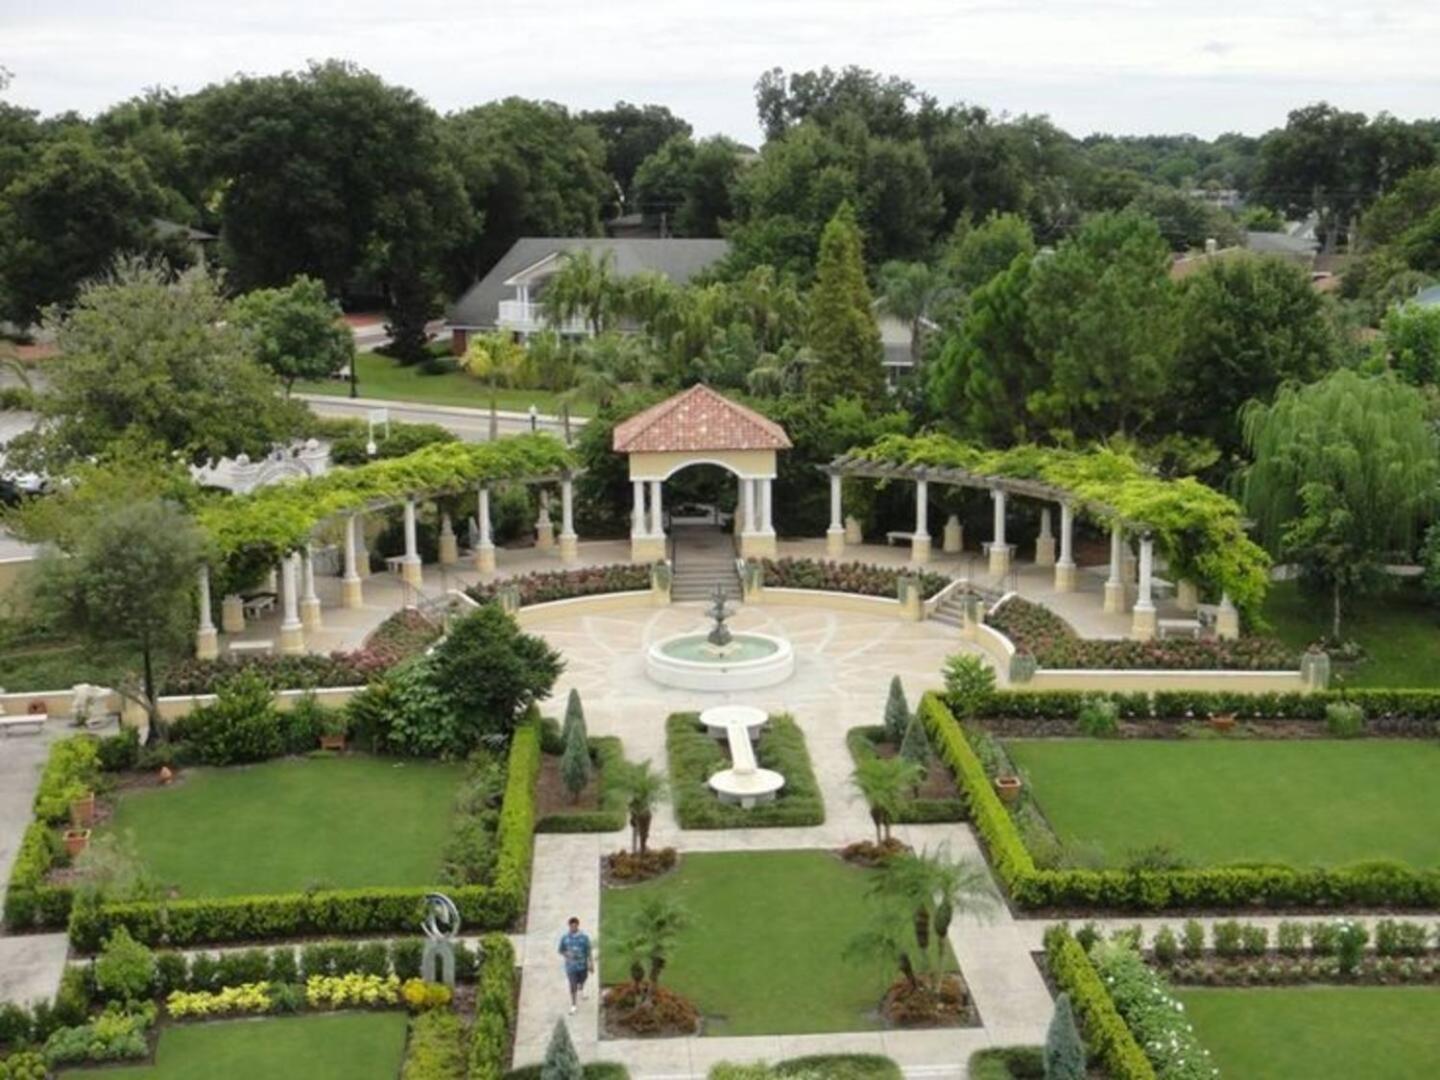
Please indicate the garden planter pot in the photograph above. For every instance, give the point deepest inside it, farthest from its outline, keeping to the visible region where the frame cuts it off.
(82, 811)
(166, 774)
(1222, 722)
(1008, 788)
(76, 841)
(332, 742)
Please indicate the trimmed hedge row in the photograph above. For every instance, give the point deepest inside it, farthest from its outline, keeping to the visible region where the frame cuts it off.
(1422, 706)
(29, 902)
(71, 770)
(1106, 1033)
(914, 811)
(607, 753)
(494, 1009)
(1373, 884)
(694, 757)
(198, 921)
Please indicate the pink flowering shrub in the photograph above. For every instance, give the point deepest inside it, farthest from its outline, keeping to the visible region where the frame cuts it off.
(860, 578)
(549, 585)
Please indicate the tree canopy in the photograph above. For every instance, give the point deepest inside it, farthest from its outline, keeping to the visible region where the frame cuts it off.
(295, 331)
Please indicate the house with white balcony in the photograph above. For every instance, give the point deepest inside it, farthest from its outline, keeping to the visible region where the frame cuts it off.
(510, 298)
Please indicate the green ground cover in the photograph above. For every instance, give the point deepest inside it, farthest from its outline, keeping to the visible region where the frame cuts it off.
(1305, 802)
(762, 955)
(1399, 631)
(334, 1046)
(287, 825)
(1320, 1032)
(381, 377)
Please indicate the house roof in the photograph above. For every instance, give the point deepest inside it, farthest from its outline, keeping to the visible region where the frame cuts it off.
(698, 419)
(1279, 243)
(1429, 297)
(678, 260)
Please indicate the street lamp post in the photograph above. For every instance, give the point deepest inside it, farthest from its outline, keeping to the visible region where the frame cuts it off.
(534, 419)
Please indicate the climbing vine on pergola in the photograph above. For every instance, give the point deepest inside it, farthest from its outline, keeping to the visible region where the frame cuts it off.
(1200, 532)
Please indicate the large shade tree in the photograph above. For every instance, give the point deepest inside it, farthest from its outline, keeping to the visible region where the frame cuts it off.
(295, 331)
(1344, 474)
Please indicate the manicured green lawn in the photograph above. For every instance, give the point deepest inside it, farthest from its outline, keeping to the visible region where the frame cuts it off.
(338, 1046)
(1304, 802)
(1320, 1032)
(285, 825)
(381, 377)
(762, 955)
(1399, 631)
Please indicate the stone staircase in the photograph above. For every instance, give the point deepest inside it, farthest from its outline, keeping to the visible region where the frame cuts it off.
(704, 556)
(951, 608)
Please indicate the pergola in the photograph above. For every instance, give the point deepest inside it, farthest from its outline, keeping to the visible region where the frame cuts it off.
(699, 426)
(1000, 553)
(277, 524)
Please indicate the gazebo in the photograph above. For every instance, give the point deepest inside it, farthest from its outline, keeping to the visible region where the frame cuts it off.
(700, 427)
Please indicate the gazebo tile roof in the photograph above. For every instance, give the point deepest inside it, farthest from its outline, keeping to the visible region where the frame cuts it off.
(698, 419)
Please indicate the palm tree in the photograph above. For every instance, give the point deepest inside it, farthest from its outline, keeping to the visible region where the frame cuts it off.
(885, 783)
(650, 935)
(910, 292)
(495, 358)
(935, 888)
(776, 374)
(642, 789)
(884, 942)
(585, 287)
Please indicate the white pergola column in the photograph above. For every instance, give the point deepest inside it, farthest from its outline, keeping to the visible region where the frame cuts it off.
(292, 631)
(835, 534)
(1115, 583)
(1142, 625)
(1045, 542)
(449, 546)
(569, 542)
(207, 638)
(410, 561)
(485, 545)
(1065, 567)
(657, 509)
(352, 589)
(1227, 619)
(310, 601)
(920, 544)
(999, 550)
(362, 553)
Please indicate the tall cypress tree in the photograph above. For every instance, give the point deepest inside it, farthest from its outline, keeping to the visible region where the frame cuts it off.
(842, 332)
(1064, 1052)
(897, 712)
(561, 1061)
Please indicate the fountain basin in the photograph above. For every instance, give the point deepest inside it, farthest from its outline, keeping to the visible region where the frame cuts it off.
(749, 662)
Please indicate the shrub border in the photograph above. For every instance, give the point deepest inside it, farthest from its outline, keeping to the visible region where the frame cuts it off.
(1384, 884)
(1106, 1033)
(496, 906)
(861, 743)
(607, 752)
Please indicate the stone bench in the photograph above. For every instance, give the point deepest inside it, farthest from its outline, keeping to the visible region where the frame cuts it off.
(719, 719)
(256, 605)
(744, 782)
(260, 646)
(30, 723)
(898, 535)
(1177, 627)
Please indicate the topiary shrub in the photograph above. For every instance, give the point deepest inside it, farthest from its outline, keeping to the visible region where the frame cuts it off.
(575, 761)
(916, 744)
(1344, 720)
(1099, 718)
(125, 969)
(897, 712)
(561, 1061)
(1064, 1053)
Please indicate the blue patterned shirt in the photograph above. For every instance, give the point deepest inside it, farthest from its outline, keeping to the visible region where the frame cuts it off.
(576, 950)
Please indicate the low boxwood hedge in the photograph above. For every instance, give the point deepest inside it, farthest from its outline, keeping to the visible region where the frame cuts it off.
(916, 811)
(197, 921)
(1106, 1034)
(494, 1009)
(1373, 884)
(694, 757)
(607, 752)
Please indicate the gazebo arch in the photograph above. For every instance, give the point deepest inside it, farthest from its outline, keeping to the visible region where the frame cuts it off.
(700, 427)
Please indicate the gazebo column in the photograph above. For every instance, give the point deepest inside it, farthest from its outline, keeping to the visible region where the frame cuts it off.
(569, 542)
(657, 510)
(999, 549)
(954, 541)
(410, 561)
(1065, 567)
(645, 546)
(835, 534)
(310, 601)
(352, 592)
(232, 614)
(292, 631)
(362, 552)
(207, 638)
(1115, 583)
(1142, 621)
(1045, 542)
(485, 545)
(1227, 620)
(765, 534)
(920, 545)
(449, 546)
(544, 527)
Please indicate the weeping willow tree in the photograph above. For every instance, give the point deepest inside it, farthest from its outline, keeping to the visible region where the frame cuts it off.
(1345, 472)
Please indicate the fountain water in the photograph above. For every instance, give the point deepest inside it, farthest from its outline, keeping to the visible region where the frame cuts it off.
(721, 660)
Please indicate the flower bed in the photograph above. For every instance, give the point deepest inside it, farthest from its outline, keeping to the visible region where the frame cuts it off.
(1143, 1000)
(859, 578)
(1035, 629)
(550, 585)
(1106, 1033)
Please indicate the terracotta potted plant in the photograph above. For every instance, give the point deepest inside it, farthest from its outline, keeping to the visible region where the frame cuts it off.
(1222, 722)
(166, 774)
(333, 731)
(1008, 788)
(82, 811)
(76, 841)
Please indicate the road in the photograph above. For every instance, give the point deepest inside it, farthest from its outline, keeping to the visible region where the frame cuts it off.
(471, 425)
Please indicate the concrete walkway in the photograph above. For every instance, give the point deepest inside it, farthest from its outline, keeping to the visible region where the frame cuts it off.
(30, 964)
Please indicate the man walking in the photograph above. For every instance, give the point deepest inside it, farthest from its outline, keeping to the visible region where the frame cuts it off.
(579, 960)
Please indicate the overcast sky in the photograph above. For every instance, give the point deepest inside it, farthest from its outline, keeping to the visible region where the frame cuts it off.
(1123, 66)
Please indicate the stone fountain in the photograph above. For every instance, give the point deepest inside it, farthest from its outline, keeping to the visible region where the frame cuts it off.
(721, 660)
